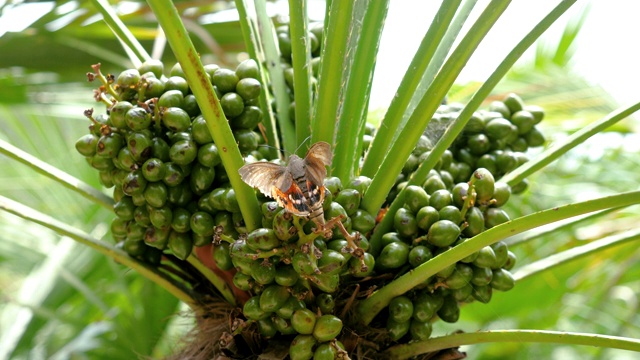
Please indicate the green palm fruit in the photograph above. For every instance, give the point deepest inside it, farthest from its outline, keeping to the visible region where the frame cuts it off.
(273, 297)
(253, 311)
(180, 244)
(502, 280)
(443, 233)
(425, 306)
(405, 223)
(419, 255)
(426, 217)
(263, 272)
(415, 198)
(393, 255)
(304, 321)
(482, 293)
(401, 309)
(356, 269)
(302, 347)
(222, 257)
(397, 329)
(449, 311)
(325, 303)
(327, 327)
(225, 80)
(157, 237)
(420, 330)
(290, 306)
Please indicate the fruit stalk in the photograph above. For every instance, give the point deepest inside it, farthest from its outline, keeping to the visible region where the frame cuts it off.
(407, 88)
(353, 116)
(332, 69)
(210, 106)
(301, 58)
(253, 40)
(218, 282)
(54, 173)
(408, 137)
(273, 63)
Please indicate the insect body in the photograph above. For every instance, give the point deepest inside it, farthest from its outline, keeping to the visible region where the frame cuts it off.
(297, 187)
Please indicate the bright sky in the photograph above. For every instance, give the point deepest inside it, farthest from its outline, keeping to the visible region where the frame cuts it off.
(606, 52)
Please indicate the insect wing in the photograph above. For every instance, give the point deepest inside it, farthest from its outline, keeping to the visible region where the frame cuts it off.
(263, 176)
(317, 158)
(321, 151)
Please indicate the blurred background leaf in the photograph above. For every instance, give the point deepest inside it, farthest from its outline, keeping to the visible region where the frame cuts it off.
(71, 35)
(60, 298)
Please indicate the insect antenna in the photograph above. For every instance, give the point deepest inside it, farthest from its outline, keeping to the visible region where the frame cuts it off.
(302, 143)
(283, 153)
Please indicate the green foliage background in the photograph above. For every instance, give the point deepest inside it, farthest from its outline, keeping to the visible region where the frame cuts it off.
(61, 300)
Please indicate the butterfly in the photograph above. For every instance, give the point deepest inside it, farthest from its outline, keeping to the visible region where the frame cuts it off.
(297, 187)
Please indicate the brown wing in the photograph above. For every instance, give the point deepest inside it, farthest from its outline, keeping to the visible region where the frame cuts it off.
(318, 156)
(265, 175)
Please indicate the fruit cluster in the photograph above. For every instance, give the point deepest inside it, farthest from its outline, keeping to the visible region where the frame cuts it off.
(459, 199)
(315, 41)
(498, 138)
(434, 219)
(154, 147)
(172, 193)
(295, 273)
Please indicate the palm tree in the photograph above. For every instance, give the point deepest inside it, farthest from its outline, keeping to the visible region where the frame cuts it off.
(369, 294)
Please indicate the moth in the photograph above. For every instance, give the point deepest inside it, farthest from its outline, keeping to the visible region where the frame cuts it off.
(297, 187)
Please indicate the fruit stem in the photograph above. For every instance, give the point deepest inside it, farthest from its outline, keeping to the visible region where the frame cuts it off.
(267, 254)
(352, 117)
(560, 148)
(257, 49)
(332, 71)
(157, 120)
(301, 59)
(106, 84)
(123, 33)
(104, 99)
(218, 125)
(272, 62)
(470, 199)
(74, 184)
(176, 271)
(304, 237)
(142, 87)
(393, 117)
(226, 238)
(350, 301)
